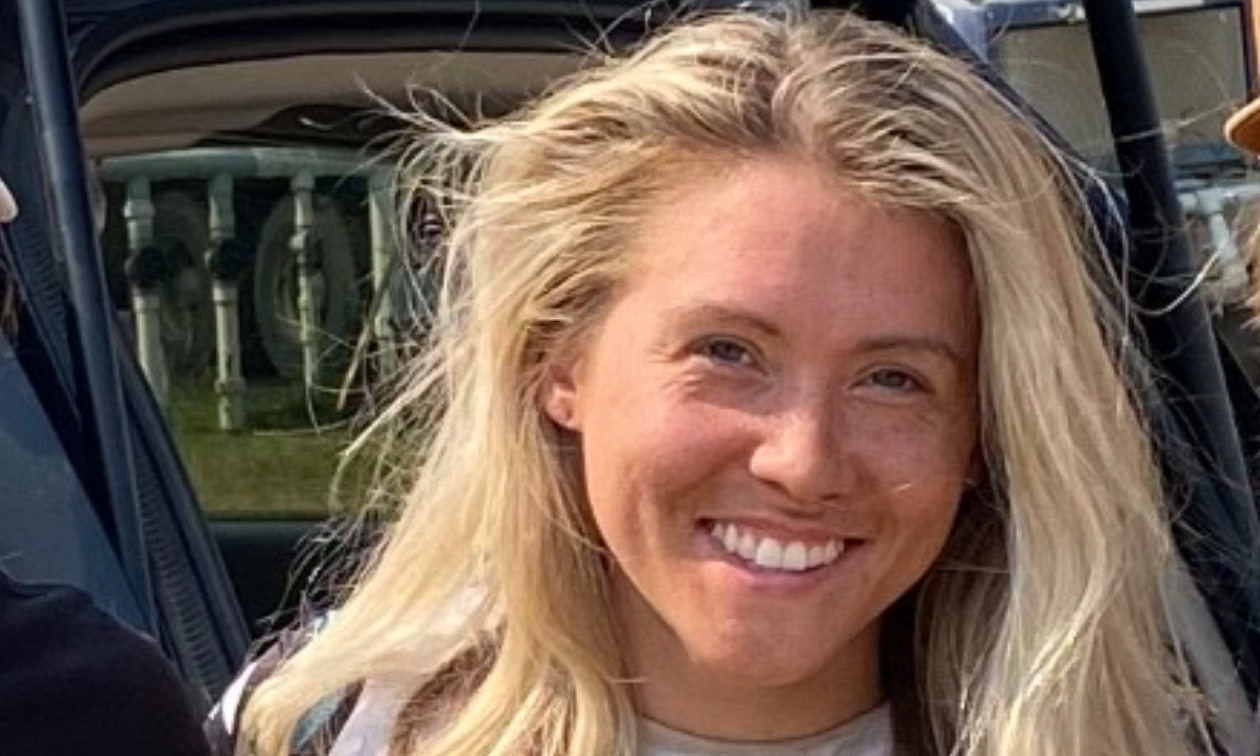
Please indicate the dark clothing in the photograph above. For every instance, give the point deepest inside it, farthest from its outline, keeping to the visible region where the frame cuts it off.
(74, 681)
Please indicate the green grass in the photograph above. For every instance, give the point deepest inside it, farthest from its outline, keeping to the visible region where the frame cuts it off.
(282, 465)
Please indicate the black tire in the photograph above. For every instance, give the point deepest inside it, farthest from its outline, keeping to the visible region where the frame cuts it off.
(275, 287)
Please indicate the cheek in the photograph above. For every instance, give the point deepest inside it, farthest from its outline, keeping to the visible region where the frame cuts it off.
(626, 477)
(917, 528)
(650, 471)
(935, 453)
(923, 473)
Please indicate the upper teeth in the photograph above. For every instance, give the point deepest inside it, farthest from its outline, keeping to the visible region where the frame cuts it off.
(773, 554)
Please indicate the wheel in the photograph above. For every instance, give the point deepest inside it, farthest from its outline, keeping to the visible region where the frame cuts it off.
(180, 227)
(275, 287)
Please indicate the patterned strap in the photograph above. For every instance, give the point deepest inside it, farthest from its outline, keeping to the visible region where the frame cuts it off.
(314, 733)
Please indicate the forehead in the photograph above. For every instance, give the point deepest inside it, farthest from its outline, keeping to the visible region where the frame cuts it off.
(782, 229)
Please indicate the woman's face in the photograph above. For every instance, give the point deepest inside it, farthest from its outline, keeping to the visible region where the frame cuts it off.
(776, 421)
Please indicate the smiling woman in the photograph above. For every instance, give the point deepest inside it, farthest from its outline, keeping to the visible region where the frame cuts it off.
(772, 407)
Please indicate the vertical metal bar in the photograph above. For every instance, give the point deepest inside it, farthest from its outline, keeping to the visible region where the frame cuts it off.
(304, 245)
(1162, 269)
(229, 383)
(55, 103)
(384, 263)
(146, 275)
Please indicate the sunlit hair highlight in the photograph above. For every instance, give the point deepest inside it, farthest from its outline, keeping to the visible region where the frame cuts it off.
(1039, 631)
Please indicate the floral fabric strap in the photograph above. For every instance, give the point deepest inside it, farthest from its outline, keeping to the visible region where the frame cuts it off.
(314, 732)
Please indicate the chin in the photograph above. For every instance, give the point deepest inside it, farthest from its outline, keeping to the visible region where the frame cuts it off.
(776, 664)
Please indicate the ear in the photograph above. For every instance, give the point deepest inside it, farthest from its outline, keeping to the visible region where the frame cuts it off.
(560, 395)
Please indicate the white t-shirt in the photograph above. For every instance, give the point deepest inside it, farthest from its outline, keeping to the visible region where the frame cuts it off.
(366, 733)
(868, 735)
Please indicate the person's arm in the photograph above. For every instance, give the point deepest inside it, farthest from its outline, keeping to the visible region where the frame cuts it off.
(74, 680)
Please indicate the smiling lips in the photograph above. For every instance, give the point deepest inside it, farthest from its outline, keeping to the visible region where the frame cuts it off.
(770, 553)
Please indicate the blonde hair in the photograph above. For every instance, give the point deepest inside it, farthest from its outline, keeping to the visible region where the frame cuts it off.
(1039, 631)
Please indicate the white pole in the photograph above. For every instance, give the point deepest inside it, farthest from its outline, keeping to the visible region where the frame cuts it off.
(380, 218)
(304, 245)
(145, 273)
(229, 384)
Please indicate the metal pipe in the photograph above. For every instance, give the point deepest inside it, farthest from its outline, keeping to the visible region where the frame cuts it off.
(306, 246)
(384, 264)
(1161, 267)
(1227, 262)
(145, 275)
(229, 382)
(237, 162)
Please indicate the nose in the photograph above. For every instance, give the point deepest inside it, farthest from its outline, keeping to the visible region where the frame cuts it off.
(802, 454)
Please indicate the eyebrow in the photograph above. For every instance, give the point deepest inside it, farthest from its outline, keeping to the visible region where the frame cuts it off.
(710, 312)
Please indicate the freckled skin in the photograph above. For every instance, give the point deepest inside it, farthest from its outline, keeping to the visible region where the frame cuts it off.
(791, 359)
